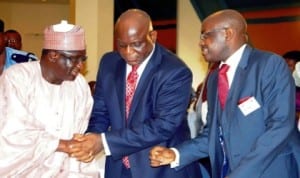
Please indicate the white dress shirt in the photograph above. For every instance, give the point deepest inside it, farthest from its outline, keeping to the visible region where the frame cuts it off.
(140, 71)
(233, 62)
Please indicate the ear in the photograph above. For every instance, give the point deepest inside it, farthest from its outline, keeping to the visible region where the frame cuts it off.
(229, 33)
(52, 56)
(153, 36)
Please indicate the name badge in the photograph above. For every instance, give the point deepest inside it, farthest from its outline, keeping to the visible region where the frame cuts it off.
(249, 105)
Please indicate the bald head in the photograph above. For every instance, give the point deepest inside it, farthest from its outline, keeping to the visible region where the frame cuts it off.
(135, 37)
(229, 18)
(134, 18)
(222, 34)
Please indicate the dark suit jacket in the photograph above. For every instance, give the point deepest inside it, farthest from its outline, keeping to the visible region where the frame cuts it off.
(157, 115)
(261, 144)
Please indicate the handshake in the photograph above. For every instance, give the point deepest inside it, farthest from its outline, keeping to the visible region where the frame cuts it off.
(82, 147)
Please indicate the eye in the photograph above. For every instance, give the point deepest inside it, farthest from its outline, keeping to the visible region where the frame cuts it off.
(122, 45)
(83, 58)
(137, 44)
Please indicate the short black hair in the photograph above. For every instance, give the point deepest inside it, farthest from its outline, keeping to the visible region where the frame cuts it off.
(11, 31)
(1, 25)
(294, 55)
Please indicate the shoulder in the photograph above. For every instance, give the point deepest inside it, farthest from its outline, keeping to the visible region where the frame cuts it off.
(24, 69)
(110, 57)
(266, 56)
(110, 62)
(269, 65)
(169, 60)
(22, 74)
(20, 56)
(262, 59)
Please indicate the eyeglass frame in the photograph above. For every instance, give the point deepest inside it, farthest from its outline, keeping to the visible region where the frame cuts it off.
(206, 35)
(13, 41)
(72, 59)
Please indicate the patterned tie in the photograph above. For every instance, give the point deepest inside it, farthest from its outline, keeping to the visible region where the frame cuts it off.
(130, 89)
(223, 86)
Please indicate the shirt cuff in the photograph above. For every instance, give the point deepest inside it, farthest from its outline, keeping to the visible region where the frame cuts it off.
(175, 163)
(105, 145)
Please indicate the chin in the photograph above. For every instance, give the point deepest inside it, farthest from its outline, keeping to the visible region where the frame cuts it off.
(71, 78)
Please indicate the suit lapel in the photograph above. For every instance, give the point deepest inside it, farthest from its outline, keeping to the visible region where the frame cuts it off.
(216, 115)
(238, 82)
(146, 76)
(120, 82)
(237, 86)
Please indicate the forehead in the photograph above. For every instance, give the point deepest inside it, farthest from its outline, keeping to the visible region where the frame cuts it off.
(127, 32)
(291, 60)
(206, 26)
(211, 22)
(73, 53)
(13, 35)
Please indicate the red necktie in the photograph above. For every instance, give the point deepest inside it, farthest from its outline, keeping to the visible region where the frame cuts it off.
(130, 89)
(223, 86)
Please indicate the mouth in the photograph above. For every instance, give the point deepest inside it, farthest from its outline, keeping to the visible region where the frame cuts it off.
(204, 50)
(132, 61)
(74, 72)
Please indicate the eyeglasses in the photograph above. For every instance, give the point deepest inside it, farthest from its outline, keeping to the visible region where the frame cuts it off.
(13, 41)
(206, 35)
(72, 59)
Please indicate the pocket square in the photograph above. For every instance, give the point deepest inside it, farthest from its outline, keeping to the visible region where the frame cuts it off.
(248, 105)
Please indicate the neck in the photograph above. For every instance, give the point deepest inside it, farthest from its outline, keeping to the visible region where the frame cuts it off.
(48, 75)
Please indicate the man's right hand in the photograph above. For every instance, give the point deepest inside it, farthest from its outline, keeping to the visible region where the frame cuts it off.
(160, 156)
(86, 147)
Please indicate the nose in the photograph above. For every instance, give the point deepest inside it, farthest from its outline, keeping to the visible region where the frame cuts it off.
(201, 43)
(129, 49)
(80, 64)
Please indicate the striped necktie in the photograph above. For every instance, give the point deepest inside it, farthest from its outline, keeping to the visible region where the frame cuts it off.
(130, 89)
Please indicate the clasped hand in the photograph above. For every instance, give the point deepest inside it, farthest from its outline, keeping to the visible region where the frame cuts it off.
(160, 156)
(85, 147)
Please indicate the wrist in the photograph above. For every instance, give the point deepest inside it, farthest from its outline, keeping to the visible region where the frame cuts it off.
(62, 146)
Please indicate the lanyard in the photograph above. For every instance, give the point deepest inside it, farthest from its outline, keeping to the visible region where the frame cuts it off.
(225, 164)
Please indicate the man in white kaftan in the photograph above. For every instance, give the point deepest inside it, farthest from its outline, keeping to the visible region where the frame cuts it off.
(37, 115)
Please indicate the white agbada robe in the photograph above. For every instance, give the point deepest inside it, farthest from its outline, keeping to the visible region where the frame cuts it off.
(34, 116)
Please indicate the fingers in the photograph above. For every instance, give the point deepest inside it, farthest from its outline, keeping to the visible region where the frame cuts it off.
(155, 150)
(95, 143)
(160, 156)
(159, 160)
(154, 163)
(156, 156)
(84, 156)
(81, 152)
(85, 147)
(89, 159)
(78, 137)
